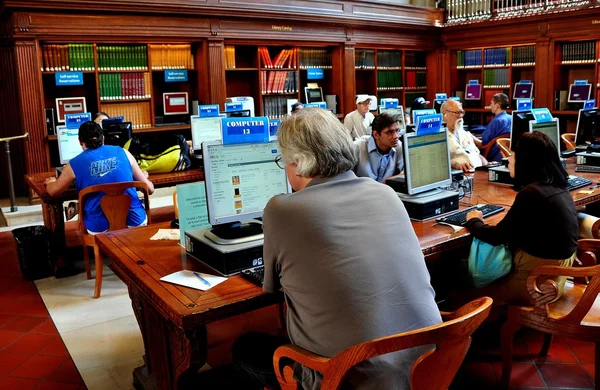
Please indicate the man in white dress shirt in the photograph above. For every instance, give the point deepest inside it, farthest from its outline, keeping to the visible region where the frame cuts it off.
(464, 154)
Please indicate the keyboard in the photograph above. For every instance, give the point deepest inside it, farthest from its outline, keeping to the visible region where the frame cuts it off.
(576, 182)
(255, 275)
(460, 217)
(488, 166)
(587, 168)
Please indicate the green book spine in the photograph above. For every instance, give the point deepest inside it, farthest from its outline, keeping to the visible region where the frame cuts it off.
(88, 57)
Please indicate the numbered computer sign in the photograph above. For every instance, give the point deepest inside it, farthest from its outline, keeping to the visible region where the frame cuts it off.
(243, 130)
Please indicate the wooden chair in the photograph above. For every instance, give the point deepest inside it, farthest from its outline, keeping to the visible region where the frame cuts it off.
(175, 204)
(432, 371)
(115, 206)
(574, 315)
(569, 140)
(504, 145)
(487, 147)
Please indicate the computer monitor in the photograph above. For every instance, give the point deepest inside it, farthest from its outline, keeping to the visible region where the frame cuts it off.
(579, 93)
(416, 113)
(551, 129)
(117, 133)
(473, 92)
(313, 95)
(588, 127)
(68, 143)
(437, 106)
(523, 91)
(240, 179)
(205, 129)
(238, 114)
(426, 162)
(396, 113)
(519, 126)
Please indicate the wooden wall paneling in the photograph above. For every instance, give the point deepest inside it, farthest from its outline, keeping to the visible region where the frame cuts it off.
(435, 70)
(544, 66)
(348, 99)
(286, 30)
(216, 64)
(203, 71)
(337, 75)
(31, 108)
(10, 125)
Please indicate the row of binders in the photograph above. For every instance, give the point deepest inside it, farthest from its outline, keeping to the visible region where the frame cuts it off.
(72, 57)
(496, 57)
(389, 79)
(364, 59)
(274, 81)
(123, 86)
(496, 78)
(315, 58)
(138, 114)
(416, 79)
(579, 52)
(171, 57)
(389, 59)
(523, 55)
(287, 58)
(275, 107)
(118, 58)
(468, 58)
(414, 60)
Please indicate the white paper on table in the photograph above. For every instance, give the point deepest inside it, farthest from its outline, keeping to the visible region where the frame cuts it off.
(166, 234)
(189, 279)
(454, 227)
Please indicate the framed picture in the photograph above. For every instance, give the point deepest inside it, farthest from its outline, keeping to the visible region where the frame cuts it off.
(72, 105)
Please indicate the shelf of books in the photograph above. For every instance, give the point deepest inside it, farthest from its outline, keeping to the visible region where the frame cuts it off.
(120, 79)
(481, 73)
(391, 74)
(276, 76)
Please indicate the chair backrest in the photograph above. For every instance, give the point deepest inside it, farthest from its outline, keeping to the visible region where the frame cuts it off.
(489, 145)
(569, 140)
(115, 203)
(504, 145)
(432, 371)
(175, 206)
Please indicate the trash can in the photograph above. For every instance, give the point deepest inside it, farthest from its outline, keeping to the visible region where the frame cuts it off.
(34, 249)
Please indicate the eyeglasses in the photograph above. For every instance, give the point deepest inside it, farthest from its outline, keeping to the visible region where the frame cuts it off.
(279, 161)
(457, 113)
(390, 133)
(365, 103)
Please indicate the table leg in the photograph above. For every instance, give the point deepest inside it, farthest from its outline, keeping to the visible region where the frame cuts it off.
(173, 355)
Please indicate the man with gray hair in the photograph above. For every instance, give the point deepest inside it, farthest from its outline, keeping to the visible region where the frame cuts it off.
(344, 251)
(464, 154)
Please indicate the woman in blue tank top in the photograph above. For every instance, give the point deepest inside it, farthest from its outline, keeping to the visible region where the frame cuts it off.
(101, 164)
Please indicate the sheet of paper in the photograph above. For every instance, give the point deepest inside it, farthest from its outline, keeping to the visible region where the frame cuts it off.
(454, 227)
(192, 279)
(193, 211)
(166, 234)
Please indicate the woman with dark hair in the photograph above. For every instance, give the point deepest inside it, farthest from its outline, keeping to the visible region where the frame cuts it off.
(101, 164)
(540, 228)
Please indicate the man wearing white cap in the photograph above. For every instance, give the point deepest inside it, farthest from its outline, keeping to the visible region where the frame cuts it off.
(358, 122)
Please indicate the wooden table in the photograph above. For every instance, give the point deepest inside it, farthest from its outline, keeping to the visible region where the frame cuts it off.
(174, 319)
(52, 206)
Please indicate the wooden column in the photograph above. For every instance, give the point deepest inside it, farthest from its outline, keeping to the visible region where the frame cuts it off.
(31, 107)
(216, 68)
(348, 99)
(544, 71)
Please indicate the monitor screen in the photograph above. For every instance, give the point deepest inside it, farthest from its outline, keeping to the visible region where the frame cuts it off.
(313, 95)
(238, 114)
(416, 113)
(68, 143)
(240, 179)
(426, 162)
(473, 92)
(117, 133)
(397, 113)
(579, 93)
(523, 91)
(205, 129)
(551, 129)
(587, 127)
(519, 126)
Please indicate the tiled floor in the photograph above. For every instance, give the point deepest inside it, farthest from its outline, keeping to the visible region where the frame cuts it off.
(32, 353)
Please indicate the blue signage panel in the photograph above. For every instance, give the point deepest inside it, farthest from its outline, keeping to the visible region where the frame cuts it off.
(429, 124)
(473, 82)
(68, 78)
(233, 106)
(176, 75)
(441, 96)
(525, 82)
(541, 115)
(389, 103)
(581, 82)
(315, 74)
(273, 126)
(208, 111)
(245, 130)
(73, 121)
(524, 104)
(589, 104)
(417, 113)
(322, 105)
